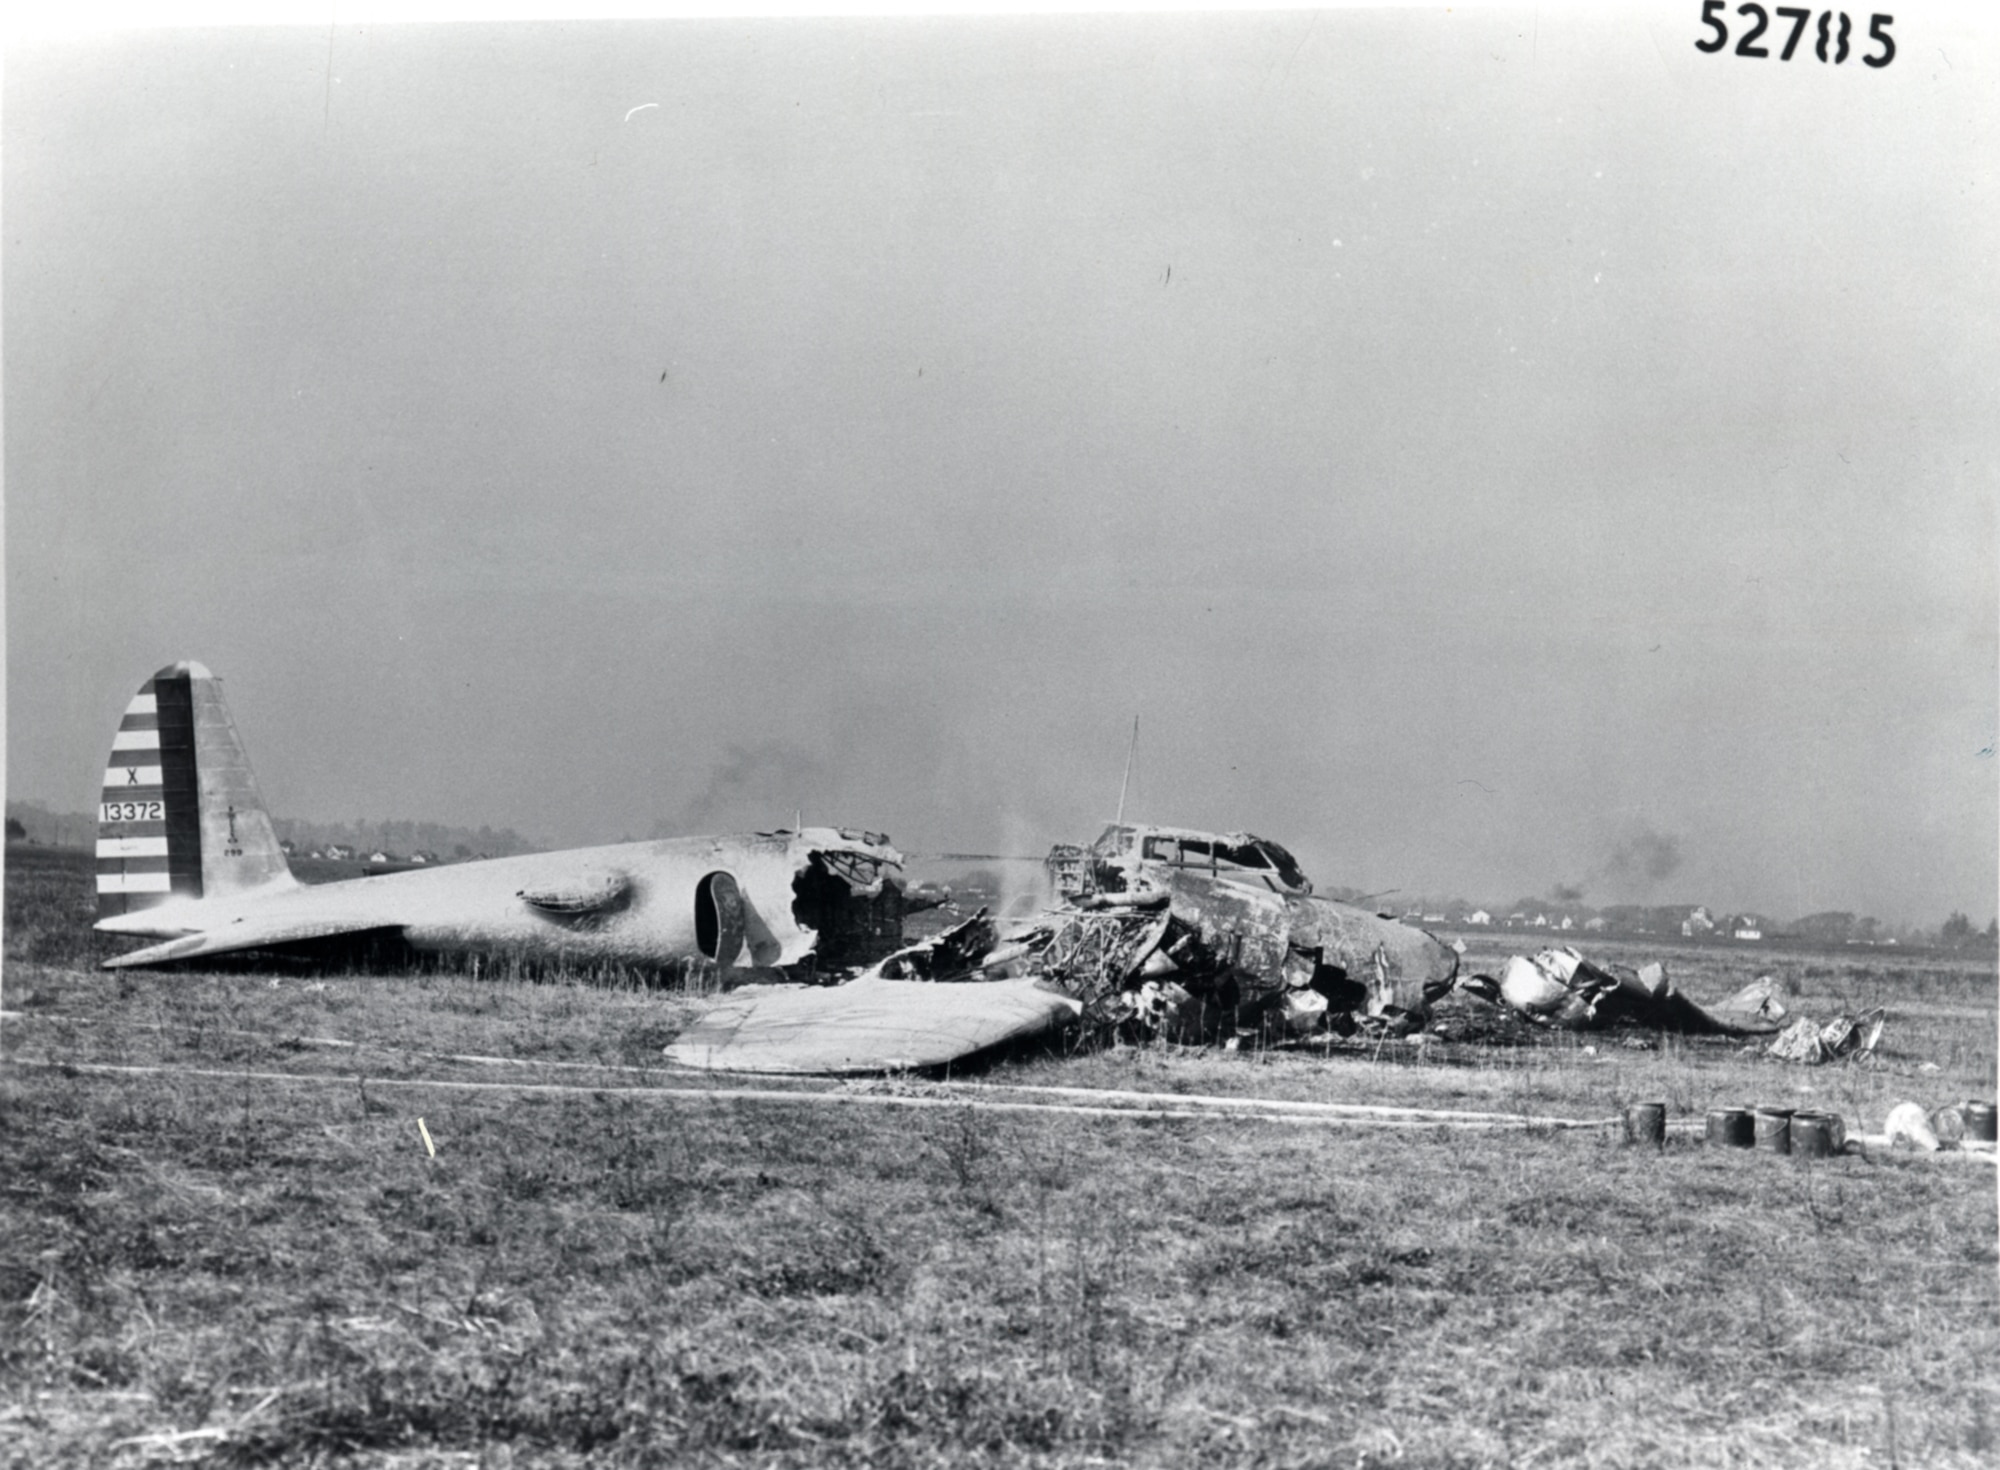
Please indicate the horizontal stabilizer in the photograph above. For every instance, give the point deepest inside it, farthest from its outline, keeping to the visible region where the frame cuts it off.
(245, 934)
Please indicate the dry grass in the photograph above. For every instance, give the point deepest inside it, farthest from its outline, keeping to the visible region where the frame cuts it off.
(277, 1272)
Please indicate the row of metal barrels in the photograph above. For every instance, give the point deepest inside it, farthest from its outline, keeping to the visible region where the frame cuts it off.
(1780, 1130)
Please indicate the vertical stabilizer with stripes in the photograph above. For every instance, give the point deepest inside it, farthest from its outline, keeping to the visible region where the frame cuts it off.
(180, 816)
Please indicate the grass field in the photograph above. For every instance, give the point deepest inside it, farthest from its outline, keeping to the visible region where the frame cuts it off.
(250, 1256)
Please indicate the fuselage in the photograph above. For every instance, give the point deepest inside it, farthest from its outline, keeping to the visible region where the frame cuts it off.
(1256, 909)
(640, 902)
(1393, 968)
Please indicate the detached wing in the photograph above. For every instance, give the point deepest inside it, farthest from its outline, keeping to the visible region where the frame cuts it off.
(866, 1025)
(248, 933)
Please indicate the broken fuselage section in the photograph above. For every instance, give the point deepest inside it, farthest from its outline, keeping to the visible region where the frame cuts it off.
(1220, 936)
(803, 903)
(187, 855)
(1195, 937)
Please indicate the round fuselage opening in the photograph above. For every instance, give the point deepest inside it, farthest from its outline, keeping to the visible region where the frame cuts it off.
(718, 918)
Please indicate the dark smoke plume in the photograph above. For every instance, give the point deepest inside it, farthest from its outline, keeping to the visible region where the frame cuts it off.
(753, 786)
(1645, 857)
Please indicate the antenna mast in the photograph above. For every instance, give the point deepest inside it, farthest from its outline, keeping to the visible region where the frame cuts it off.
(1122, 785)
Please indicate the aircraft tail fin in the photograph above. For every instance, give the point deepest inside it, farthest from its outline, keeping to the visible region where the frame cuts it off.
(180, 817)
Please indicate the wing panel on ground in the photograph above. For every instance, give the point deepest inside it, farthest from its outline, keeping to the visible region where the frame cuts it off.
(867, 1025)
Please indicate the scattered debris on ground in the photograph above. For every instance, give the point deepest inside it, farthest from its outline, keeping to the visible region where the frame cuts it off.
(1812, 1043)
(1560, 988)
(1968, 1125)
(1759, 999)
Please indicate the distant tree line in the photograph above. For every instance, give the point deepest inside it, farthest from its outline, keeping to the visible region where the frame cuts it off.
(29, 821)
(402, 839)
(51, 829)
(1831, 927)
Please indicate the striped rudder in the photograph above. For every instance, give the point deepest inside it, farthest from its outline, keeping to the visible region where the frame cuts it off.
(149, 816)
(180, 817)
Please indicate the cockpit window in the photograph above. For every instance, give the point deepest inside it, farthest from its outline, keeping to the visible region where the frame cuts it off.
(1247, 859)
(1114, 841)
(1289, 872)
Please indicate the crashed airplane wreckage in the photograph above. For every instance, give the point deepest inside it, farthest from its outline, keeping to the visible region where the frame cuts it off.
(1192, 936)
(186, 855)
(1559, 988)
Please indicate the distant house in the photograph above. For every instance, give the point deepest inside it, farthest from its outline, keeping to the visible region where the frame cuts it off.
(1433, 918)
(1596, 924)
(1540, 921)
(380, 857)
(1479, 916)
(1747, 934)
(423, 857)
(1697, 923)
(287, 847)
(1567, 923)
(1517, 920)
(338, 853)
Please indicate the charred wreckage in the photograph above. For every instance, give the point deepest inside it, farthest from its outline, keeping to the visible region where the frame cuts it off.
(1197, 938)
(1191, 936)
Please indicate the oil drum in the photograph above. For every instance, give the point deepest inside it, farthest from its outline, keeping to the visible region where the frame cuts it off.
(1646, 1123)
(1730, 1128)
(1979, 1122)
(1774, 1130)
(1818, 1135)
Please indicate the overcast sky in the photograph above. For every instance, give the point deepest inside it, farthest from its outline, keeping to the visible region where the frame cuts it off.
(1486, 453)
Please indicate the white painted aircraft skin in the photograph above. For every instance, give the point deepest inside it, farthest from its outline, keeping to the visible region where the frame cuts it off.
(133, 883)
(194, 862)
(478, 906)
(124, 847)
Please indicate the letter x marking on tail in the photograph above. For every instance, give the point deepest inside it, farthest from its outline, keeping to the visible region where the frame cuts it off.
(131, 776)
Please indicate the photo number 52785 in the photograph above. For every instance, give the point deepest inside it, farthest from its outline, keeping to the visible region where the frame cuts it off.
(1832, 32)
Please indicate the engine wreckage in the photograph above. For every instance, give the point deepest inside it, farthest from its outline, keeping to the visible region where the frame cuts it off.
(1192, 936)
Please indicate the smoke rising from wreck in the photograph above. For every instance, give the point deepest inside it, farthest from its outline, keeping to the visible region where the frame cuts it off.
(1643, 859)
(1024, 887)
(758, 786)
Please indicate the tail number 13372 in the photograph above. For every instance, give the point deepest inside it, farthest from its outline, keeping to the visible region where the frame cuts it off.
(131, 811)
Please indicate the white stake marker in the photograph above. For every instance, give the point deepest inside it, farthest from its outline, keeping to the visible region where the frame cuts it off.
(428, 1145)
